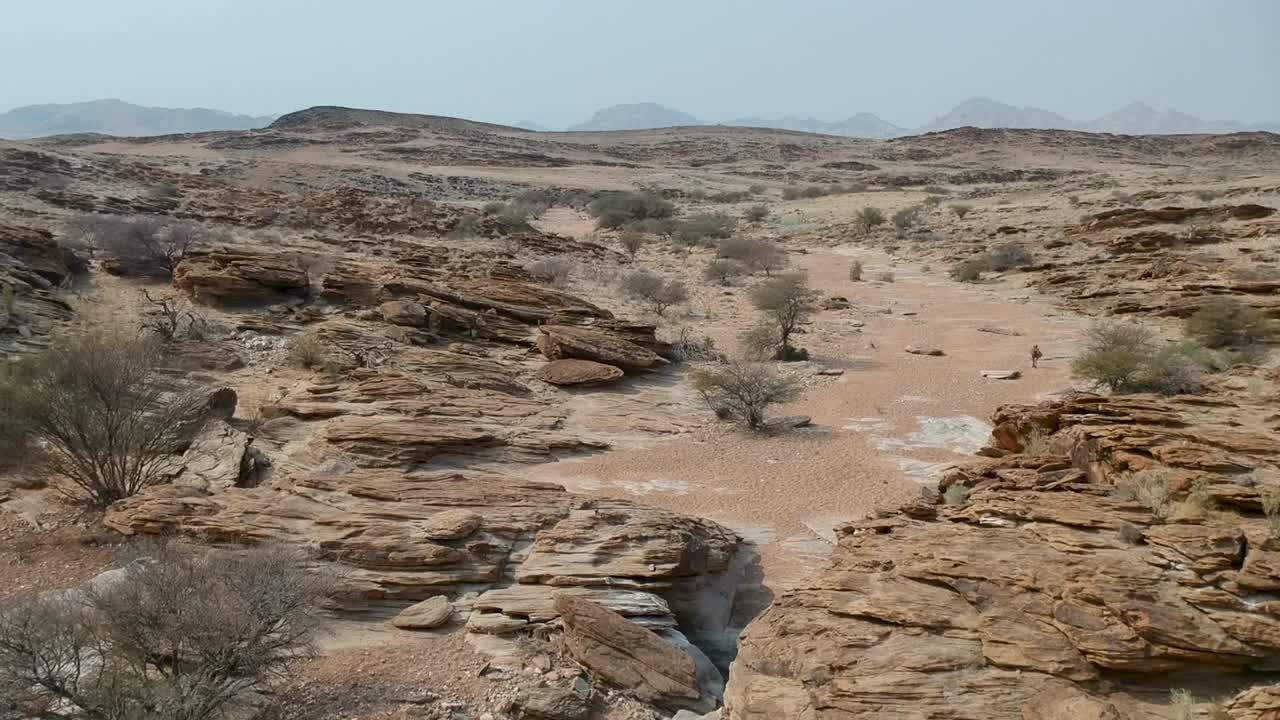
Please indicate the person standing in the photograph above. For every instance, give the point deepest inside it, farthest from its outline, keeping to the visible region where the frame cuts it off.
(1035, 355)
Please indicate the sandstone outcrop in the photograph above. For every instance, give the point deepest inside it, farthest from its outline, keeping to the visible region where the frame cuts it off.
(32, 268)
(1046, 588)
(559, 342)
(577, 372)
(238, 277)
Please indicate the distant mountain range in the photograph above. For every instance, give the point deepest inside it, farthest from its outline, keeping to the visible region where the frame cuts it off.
(116, 117)
(1133, 119)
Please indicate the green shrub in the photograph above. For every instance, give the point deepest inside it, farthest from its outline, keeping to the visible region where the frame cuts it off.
(1225, 322)
(722, 271)
(868, 218)
(651, 226)
(744, 391)
(655, 291)
(1126, 358)
(615, 209)
(786, 301)
(757, 255)
(700, 229)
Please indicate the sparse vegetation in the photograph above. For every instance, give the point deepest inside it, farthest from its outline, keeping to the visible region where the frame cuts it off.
(1125, 358)
(1182, 704)
(1009, 256)
(756, 255)
(906, 218)
(631, 242)
(1199, 501)
(1149, 488)
(183, 634)
(701, 229)
(615, 209)
(722, 271)
(931, 201)
(960, 209)
(756, 213)
(467, 228)
(786, 301)
(886, 276)
(556, 270)
(1271, 508)
(1228, 323)
(655, 291)
(1207, 196)
(868, 219)
(744, 391)
(686, 347)
(971, 270)
(855, 271)
(757, 189)
(1037, 442)
(146, 247)
(104, 414)
(956, 495)
(311, 351)
(1130, 534)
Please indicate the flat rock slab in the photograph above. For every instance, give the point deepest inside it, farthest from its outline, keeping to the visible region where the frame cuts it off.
(924, 350)
(1001, 374)
(430, 613)
(578, 372)
(553, 704)
(788, 422)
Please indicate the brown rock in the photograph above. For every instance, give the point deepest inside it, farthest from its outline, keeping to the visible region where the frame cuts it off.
(404, 312)
(552, 704)
(629, 656)
(559, 342)
(430, 613)
(924, 350)
(230, 277)
(577, 372)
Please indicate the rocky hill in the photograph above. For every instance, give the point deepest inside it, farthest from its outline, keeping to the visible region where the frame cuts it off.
(115, 117)
(636, 116)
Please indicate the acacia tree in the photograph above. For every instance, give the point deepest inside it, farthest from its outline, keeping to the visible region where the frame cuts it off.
(105, 414)
(744, 390)
(787, 301)
(181, 634)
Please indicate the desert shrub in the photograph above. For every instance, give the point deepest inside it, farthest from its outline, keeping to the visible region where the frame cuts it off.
(1073, 201)
(971, 270)
(722, 271)
(960, 209)
(855, 271)
(105, 413)
(729, 196)
(956, 495)
(651, 226)
(310, 351)
(14, 433)
(1037, 442)
(613, 210)
(1225, 322)
(493, 208)
(786, 301)
(757, 255)
(868, 218)
(686, 347)
(1130, 534)
(466, 228)
(631, 242)
(1207, 195)
(931, 201)
(1009, 255)
(164, 191)
(1182, 704)
(886, 276)
(813, 191)
(1271, 508)
(756, 213)
(514, 218)
(792, 192)
(1125, 358)
(149, 247)
(700, 229)
(744, 391)
(1199, 501)
(173, 318)
(534, 198)
(182, 635)
(756, 189)
(556, 270)
(1149, 488)
(657, 292)
(936, 190)
(906, 217)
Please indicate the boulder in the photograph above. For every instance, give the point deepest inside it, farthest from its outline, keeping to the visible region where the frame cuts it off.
(404, 312)
(237, 278)
(552, 704)
(577, 372)
(629, 656)
(430, 613)
(558, 342)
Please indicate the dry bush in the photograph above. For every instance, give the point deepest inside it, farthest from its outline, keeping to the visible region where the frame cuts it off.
(971, 270)
(743, 391)
(868, 219)
(655, 291)
(756, 255)
(931, 201)
(1037, 442)
(181, 635)
(756, 189)
(1208, 195)
(615, 209)
(1130, 534)
(149, 247)
(1225, 322)
(1271, 508)
(467, 227)
(936, 190)
(729, 196)
(1149, 488)
(631, 242)
(786, 301)
(701, 229)
(960, 209)
(105, 414)
(906, 217)
(956, 495)
(174, 318)
(855, 271)
(886, 276)
(722, 271)
(756, 213)
(556, 270)
(686, 347)
(1126, 358)
(651, 226)
(1009, 256)
(311, 351)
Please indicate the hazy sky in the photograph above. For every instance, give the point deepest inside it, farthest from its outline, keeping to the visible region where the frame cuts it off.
(556, 61)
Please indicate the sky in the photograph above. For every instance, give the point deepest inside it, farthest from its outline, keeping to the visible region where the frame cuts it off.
(557, 61)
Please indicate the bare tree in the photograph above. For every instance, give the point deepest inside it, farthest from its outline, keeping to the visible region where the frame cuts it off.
(631, 241)
(106, 416)
(183, 635)
(744, 390)
(787, 301)
(655, 291)
(759, 255)
(143, 246)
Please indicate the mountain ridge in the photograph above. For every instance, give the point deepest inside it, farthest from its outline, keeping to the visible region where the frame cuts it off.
(110, 116)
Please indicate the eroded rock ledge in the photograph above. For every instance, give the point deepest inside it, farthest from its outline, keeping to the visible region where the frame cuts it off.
(1046, 595)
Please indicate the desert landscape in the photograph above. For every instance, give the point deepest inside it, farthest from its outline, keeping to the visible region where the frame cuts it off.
(694, 422)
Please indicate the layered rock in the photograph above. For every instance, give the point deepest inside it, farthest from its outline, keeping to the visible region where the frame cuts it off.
(33, 266)
(240, 278)
(1039, 587)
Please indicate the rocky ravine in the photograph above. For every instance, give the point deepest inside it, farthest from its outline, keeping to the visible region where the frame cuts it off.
(1047, 594)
